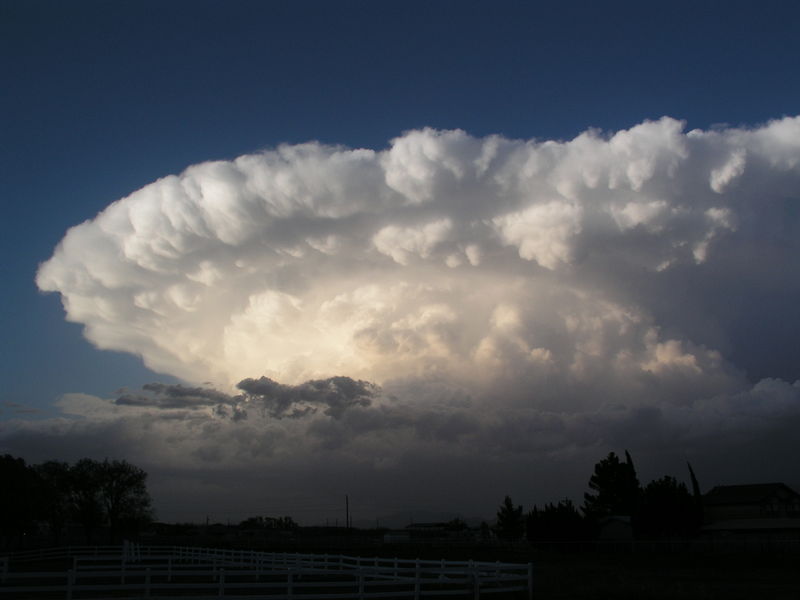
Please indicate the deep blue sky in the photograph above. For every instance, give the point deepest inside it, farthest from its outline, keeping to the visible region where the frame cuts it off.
(101, 98)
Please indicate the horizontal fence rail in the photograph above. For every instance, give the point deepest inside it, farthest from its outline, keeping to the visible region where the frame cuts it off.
(137, 571)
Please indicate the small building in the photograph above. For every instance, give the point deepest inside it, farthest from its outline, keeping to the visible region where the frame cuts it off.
(615, 528)
(764, 511)
(755, 501)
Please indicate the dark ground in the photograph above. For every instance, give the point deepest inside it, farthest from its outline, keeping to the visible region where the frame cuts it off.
(649, 575)
(620, 575)
(684, 577)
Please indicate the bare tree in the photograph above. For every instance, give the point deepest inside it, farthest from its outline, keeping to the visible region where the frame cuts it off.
(112, 492)
(122, 489)
(84, 482)
(55, 484)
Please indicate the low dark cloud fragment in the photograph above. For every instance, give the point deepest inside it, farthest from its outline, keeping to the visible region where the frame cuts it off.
(235, 413)
(334, 396)
(18, 409)
(177, 396)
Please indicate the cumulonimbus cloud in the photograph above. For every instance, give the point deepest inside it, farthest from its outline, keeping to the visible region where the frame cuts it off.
(486, 261)
(525, 307)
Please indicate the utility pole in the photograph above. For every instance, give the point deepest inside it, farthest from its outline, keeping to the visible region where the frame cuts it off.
(347, 511)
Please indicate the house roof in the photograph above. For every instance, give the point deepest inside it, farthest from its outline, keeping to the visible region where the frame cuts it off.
(746, 494)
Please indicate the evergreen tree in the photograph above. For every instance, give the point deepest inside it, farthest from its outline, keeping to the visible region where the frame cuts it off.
(556, 522)
(510, 523)
(667, 510)
(616, 488)
(699, 517)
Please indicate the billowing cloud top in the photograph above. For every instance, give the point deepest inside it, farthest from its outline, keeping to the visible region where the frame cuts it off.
(472, 259)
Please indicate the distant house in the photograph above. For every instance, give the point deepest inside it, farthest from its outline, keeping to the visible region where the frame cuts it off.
(764, 510)
(756, 501)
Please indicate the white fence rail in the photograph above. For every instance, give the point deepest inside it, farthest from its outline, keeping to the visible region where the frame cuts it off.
(134, 571)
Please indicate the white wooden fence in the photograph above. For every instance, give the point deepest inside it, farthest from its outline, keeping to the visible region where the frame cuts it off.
(135, 571)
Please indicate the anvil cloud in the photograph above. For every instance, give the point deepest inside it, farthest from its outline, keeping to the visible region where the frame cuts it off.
(526, 296)
(444, 251)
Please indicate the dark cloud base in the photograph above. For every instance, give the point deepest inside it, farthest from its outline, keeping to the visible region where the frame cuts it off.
(392, 456)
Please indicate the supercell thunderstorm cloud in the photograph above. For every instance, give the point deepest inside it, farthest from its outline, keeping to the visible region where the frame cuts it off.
(487, 301)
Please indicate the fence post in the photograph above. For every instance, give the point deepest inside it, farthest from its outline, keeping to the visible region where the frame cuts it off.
(360, 586)
(221, 583)
(289, 584)
(70, 583)
(416, 581)
(169, 569)
(530, 581)
(147, 582)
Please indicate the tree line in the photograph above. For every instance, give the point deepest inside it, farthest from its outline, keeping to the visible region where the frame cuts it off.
(663, 509)
(112, 495)
(108, 494)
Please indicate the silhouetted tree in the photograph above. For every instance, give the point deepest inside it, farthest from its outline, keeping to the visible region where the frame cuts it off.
(112, 492)
(283, 523)
(510, 523)
(89, 492)
(616, 488)
(456, 524)
(556, 522)
(286, 523)
(485, 531)
(667, 510)
(84, 487)
(122, 489)
(697, 497)
(55, 493)
(252, 523)
(19, 500)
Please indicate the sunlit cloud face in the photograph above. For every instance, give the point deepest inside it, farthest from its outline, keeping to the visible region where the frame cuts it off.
(471, 258)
